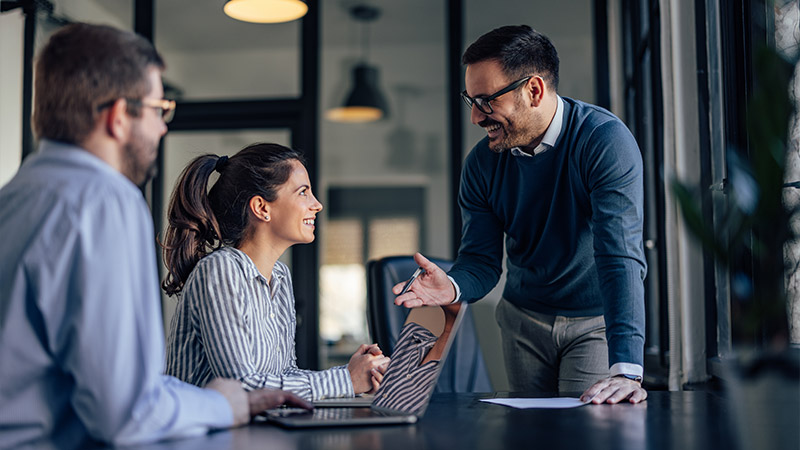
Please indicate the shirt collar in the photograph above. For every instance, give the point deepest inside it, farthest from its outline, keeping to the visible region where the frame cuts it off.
(250, 269)
(550, 136)
(71, 153)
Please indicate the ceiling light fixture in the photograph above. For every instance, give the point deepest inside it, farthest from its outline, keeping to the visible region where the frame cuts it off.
(365, 102)
(265, 11)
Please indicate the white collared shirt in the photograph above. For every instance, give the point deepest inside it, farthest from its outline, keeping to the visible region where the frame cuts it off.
(550, 136)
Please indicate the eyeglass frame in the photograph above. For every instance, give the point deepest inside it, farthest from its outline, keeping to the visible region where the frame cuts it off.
(478, 101)
(166, 106)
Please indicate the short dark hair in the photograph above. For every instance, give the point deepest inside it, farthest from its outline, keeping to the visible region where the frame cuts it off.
(520, 50)
(83, 66)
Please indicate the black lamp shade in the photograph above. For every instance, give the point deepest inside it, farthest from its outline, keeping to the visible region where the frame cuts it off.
(365, 103)
(365, 89)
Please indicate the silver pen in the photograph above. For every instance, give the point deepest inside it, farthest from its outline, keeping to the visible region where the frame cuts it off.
(411, 280)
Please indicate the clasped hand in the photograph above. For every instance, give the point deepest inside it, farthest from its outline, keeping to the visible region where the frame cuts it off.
(366, 367)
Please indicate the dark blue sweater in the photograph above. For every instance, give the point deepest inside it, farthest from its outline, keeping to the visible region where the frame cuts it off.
(572, 218)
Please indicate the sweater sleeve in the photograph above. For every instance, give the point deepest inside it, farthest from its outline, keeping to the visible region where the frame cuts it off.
(615, 182)
(479, 264)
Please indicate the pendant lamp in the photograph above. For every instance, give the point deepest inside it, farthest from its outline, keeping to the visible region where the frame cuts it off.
(265, 11)
(365, 102)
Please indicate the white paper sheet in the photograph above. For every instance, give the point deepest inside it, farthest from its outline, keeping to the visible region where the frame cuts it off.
(526, 403)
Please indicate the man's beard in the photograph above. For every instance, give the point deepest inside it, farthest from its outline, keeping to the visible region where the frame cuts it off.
(508, 139)
(518, 131)
(140, 158)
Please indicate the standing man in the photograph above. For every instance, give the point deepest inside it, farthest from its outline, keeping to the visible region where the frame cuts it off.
(81, 336)
(562, 180)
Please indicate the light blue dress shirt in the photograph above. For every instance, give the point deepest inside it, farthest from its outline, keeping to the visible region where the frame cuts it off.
(81, 338)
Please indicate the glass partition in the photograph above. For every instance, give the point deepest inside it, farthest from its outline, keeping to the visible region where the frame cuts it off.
(384, 184)
(211, 56)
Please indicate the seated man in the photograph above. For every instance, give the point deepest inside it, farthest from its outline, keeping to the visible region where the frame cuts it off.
(81, 338)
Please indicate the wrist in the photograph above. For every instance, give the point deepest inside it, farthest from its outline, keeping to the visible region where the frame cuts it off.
(456, 290)
(636, 378)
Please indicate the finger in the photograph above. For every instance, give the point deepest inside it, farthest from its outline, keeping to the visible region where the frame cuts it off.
(362, 349)
(639, 395)
(408, 300)
(375, 385)
(381, 363)
(599, 398)
(263, 399)
(375, 350)
(619, 394)
(398, 288)
(590, 393)
(377, 375)
(619, 390)
(294, 400)
(602, 395)
(425, 263)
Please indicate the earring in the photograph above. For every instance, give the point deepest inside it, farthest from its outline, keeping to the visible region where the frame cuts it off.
(266, 217)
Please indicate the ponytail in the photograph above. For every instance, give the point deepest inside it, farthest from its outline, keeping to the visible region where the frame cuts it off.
(193, 231)
(203, 220)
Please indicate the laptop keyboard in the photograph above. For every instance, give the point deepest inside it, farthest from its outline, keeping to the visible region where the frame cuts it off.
(325, 413)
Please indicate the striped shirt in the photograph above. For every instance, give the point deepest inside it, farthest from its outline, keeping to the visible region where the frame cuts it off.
(230, 322)
(407, 384)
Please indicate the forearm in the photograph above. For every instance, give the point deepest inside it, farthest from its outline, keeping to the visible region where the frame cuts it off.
(331, 383)
(473, 278)
(617, 197)
(622, 285)
(308, 384)
(480, 257)
(171, 410)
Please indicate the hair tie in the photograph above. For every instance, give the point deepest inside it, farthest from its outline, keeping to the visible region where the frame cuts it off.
(222, 161)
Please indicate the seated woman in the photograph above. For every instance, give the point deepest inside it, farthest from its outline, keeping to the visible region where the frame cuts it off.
(235, 316)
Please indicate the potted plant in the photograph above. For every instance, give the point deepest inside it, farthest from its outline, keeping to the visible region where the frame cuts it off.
(763, 381)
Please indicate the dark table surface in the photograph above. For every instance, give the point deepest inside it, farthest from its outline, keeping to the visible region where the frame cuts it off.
(667, 420)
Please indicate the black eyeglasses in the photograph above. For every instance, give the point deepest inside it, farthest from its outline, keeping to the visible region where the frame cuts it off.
(165, 108)
(483, 102)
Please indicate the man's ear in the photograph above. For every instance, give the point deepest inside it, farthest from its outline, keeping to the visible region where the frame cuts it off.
(535, 88)
(117, 121)
(259, 208)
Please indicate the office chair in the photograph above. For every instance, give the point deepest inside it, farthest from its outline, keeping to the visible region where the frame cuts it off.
(464, 369)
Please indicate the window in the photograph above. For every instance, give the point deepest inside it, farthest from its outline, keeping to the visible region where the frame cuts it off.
(364, 223)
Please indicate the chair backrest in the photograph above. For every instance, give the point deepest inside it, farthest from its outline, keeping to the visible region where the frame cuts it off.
(465, 369)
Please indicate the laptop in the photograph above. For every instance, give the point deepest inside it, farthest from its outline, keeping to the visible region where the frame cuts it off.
(408, 383)
(360, 400)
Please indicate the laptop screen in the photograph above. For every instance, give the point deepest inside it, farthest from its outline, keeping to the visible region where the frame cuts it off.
(417, 359)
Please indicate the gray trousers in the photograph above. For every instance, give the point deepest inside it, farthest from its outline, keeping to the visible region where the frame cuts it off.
(551, 354)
